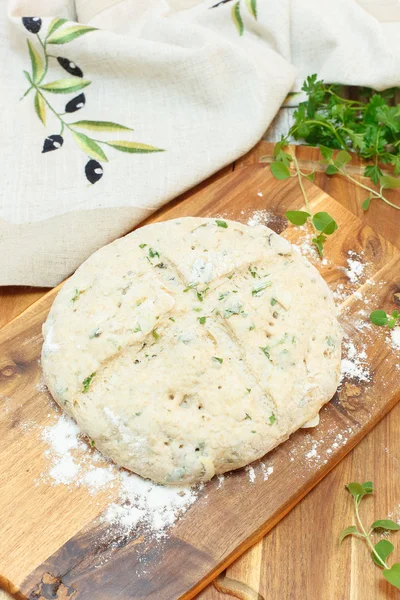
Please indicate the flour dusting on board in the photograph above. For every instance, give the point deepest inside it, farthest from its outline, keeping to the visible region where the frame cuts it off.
(140, 502)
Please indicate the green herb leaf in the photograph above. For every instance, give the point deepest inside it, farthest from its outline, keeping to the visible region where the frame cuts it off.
(68, 34)
(392, 575)
(319, 243)
(252, 7)
(142, 245)
(86, 383)
(247, 417)
(202, 320)
(89, 146)
(373, 172)
(155, 334)
(153, 253)
(65, 86)
(100, 126)
(385, 524)
(280, 170)
(273, 301)
(265, 351)
(36, 63)
(54, 25)
(237, 17)
(260, 287)
(324, 223)
(352, 530)
(383, 548)
(356, 490)
(132, 147)
(366, 203)
(379, 317)
(331, 170)
(272, 419)
(222, 224)
(40, 107)
(218, 360)
(297, 217)
(327, 153)
(388, 182)
(342, 158)
(311, 176)
(368, 487)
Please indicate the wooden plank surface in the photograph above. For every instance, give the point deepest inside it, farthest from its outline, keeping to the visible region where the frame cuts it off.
(216, 529)
(273, 565)
(300, 557)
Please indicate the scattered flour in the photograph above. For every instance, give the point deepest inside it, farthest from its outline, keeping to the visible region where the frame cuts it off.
(354, 365)
(259, 217)
(395, 335)
(266, 471)
(355, 268)
(251, 473)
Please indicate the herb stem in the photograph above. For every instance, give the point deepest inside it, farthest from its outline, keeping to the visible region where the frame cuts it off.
(367, 538)
(303, 191)
(365, 187)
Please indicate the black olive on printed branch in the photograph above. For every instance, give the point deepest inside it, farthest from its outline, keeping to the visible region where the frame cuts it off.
(93, 171)
(75, 104)
(70, 66)
(32, 24)
(52, 142)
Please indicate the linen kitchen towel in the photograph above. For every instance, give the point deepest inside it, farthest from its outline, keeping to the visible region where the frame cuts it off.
(110, 108)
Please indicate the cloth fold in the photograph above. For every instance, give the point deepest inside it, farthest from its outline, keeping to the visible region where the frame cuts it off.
(125, 104)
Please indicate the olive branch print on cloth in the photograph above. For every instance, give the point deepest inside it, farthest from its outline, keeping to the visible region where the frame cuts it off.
(236, 12)
(59, 34)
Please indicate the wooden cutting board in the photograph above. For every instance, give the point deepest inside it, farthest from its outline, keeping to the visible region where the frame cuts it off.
(53, 544)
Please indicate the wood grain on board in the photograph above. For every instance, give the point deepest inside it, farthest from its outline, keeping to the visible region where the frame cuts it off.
(58, 544)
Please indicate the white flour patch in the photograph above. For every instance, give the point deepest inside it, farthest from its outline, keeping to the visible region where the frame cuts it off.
(251, 473)
(140, 502)
(259, 217)
(356, 267)
(395, 336)
(354, 366)
(267, 471)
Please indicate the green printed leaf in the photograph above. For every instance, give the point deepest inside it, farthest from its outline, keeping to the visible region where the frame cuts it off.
(379, 317)
(89, 146)
(297, 217)
(352, 530)
(27, 75)
(393, 575)
(388, 182)
(100, 126)
(237, 18)
(252, 7)
(385, 524)
(324, 222)
(68, 34)
(36, 62)
(383, 548)
(280, 170)
(40, 107)
(55, 24)
(65, 86)
(133, 147)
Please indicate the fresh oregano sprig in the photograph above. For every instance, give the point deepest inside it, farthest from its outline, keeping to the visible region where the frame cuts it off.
(322, 222)
(381, 318)
(369, 128)
(382, 550)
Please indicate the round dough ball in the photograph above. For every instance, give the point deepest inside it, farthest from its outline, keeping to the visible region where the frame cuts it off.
(192, 347)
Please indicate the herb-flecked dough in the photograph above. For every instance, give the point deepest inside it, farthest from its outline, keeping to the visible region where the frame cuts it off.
(192, 347)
